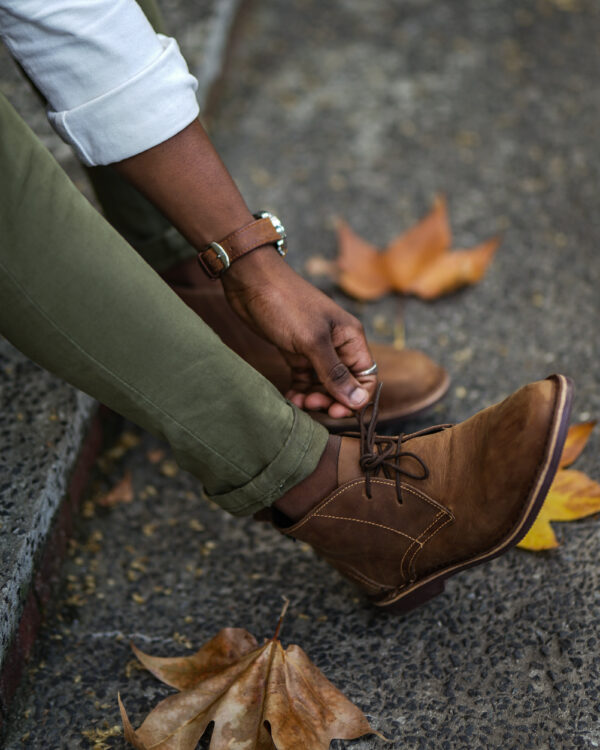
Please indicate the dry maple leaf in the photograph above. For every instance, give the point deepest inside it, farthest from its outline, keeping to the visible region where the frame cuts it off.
(450, 271)
(417, 262)
(410, 255)
(122, 492)
(259, 698)
(362, 270)
(572, 494)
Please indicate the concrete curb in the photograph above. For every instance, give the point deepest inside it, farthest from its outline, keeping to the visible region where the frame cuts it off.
(37, 580)
(44, 426)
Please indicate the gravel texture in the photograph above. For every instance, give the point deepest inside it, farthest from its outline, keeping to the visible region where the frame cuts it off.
(367, 110)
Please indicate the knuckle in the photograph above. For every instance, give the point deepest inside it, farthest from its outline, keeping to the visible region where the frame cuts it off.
(352, 329)
(319, 338)
(349, 320)
(356, 327)
(338, 373)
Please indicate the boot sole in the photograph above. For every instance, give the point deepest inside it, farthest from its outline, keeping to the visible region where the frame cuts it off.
(433, 585)
(386, 421)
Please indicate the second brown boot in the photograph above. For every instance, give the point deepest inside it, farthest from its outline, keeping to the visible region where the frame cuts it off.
(413, 382)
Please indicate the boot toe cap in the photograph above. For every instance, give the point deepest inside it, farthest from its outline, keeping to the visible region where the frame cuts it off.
(500, 464)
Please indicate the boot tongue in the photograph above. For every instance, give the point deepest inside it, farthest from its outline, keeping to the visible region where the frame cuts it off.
(349, 460)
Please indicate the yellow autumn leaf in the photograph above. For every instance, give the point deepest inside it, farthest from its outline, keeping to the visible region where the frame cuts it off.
(572, 495)
(575, 442)
(540, 536)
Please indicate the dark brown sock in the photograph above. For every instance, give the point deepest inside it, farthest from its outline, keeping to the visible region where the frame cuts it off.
(298, 501)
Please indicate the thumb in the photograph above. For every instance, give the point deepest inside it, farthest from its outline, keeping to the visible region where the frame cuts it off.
(338, 380)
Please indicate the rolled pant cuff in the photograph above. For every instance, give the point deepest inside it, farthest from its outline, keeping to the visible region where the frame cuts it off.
(297, 459)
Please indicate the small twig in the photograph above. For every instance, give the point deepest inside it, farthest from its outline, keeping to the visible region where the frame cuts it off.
(286, 604)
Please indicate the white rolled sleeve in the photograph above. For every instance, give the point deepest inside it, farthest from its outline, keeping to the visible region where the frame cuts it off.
(114, 87)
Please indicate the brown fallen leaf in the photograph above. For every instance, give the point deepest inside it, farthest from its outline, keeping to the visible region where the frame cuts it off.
(573, 494)
(122, 492)
(411, 254)
(155, 456)
(362, 269)
(453, 270)
(259, 698)
(417, 262)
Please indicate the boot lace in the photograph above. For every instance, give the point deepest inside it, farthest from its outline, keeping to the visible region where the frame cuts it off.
(383, 453)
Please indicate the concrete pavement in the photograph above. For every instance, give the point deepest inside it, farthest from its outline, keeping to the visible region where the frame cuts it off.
(367, 110)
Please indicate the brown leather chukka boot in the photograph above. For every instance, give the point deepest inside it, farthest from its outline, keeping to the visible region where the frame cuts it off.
(409, 512)
(413, 382)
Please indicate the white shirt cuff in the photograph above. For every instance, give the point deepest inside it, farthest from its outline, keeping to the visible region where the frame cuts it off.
(146, 110)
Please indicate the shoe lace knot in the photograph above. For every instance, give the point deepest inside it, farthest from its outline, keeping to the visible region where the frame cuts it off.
(382, 453)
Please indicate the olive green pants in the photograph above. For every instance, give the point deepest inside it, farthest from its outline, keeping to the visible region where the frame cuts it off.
(79, 300)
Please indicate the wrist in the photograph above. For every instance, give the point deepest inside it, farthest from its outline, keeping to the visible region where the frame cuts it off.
(254, 267)
(253, 239)
(221, 225)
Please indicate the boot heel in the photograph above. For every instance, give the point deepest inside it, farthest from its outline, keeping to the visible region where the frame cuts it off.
(416, 598)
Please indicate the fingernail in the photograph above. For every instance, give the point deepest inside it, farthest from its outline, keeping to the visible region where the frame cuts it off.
(358, 396)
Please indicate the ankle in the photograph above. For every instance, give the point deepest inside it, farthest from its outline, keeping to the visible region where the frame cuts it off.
(301, 498)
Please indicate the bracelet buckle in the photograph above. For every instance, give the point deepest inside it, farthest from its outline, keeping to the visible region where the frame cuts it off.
(208, 266)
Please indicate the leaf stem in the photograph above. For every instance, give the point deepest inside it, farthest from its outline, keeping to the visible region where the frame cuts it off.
(286, 604)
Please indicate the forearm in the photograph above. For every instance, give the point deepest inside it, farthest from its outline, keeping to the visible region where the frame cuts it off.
(186, 179)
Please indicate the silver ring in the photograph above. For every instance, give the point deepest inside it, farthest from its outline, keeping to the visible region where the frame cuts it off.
(370, 371)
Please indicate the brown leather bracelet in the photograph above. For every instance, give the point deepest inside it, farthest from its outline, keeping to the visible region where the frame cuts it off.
(218, 256)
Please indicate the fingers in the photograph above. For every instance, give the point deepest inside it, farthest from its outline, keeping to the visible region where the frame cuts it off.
(302, 378)
(317, 401)
(328, 359)
(337, 411)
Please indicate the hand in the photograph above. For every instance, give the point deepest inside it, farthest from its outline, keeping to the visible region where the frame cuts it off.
(323, 344)
(185, 178)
